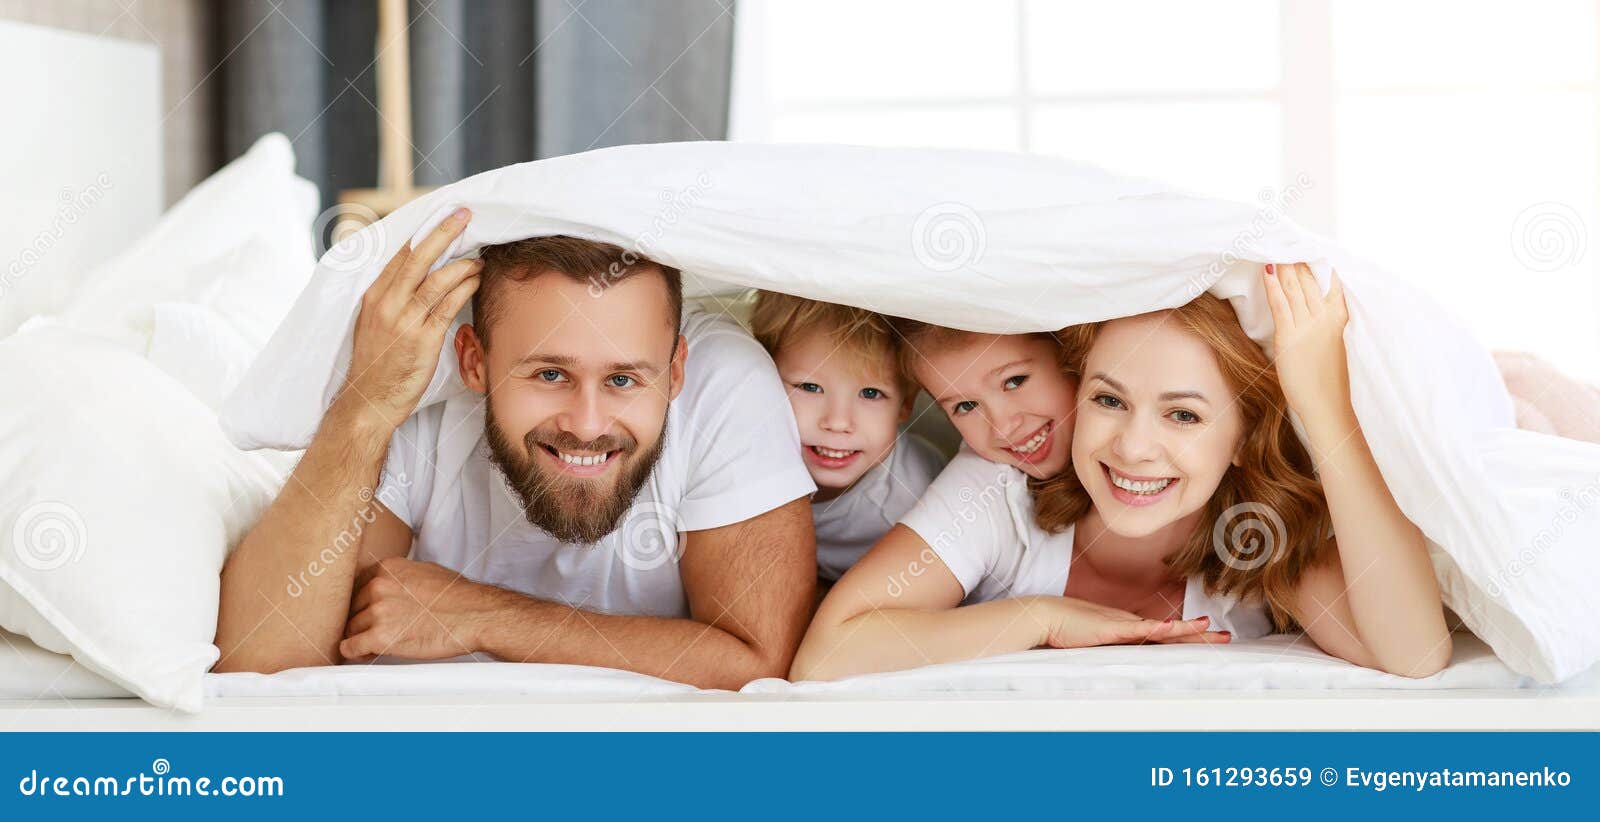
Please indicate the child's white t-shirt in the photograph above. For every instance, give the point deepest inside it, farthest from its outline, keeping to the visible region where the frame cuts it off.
(977, 516)
(852, 522)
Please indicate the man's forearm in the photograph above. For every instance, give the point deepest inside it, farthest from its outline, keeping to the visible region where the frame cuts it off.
(286, 588)
(517, 628)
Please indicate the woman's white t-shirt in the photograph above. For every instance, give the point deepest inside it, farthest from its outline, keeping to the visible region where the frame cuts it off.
(977, 516)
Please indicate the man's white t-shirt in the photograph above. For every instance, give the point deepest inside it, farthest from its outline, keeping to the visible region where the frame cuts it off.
(732, 452)
(852, 522)
(977, 516)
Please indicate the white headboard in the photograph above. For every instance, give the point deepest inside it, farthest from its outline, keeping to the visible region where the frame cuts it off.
(80, 157)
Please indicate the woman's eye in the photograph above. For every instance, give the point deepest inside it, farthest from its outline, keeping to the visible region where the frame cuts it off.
(1107, 401)
(1185, 417)
(549, 375)
(870, 393)
(621, 380)
(962, 407)
(809, 387)
(1016, 382)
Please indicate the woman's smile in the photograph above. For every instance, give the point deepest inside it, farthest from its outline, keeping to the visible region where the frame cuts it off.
(1138, 491)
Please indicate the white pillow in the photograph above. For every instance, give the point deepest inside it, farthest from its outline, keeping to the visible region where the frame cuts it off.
(241, 242)
(121, 498)
(200, 349)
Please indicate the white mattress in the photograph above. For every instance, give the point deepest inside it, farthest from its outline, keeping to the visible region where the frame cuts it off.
(28, 672)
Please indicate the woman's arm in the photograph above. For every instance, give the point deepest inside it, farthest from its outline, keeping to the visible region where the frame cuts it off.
(1378, 605)
(900, 607)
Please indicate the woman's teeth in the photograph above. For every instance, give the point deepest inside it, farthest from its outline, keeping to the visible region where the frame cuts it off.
(831, 453)
(575, 459)
(1033, 444)
(1141, 486)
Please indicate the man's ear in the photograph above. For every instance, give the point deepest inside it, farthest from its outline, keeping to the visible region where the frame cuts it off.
(471, 359)
(680, 355)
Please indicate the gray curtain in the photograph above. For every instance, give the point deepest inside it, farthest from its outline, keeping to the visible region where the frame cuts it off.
(494, 82)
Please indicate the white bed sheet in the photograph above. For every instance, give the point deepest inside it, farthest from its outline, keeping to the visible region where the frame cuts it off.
(1282, 662)
(1278, 662)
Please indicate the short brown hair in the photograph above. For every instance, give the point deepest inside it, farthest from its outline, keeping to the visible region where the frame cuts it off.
(599, 264)
(779, 319)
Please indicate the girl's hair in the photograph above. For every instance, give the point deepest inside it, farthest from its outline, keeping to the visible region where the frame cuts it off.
(1273, 494)
(914, 338)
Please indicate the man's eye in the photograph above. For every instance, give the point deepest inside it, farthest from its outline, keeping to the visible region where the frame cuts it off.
(621, 380)
(809, 387)
(1016, 382)
(871, 393)
(549, 375)
(963, 407)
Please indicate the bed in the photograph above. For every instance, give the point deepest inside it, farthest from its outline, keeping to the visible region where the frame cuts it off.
(1277, 683)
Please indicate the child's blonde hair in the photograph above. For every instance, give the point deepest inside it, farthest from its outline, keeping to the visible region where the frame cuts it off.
(864, 336)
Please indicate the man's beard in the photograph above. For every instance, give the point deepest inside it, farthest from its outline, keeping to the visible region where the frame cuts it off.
(571, 509)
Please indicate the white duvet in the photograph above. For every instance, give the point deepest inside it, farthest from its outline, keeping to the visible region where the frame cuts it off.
(1014, 243)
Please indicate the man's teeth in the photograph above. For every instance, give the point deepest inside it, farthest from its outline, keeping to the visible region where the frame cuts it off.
(1138, 487)
(831, 453)
(1033, 444)
(575, 459)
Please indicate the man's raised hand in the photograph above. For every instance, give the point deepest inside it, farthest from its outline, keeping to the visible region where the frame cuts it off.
(405, 314)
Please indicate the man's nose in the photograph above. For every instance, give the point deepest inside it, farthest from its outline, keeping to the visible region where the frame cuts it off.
(585, 416)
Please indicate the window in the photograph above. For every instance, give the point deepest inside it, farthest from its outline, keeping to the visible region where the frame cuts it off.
(1456, 143)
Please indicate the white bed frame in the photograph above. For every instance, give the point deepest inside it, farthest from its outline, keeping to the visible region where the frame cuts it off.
(78, 104)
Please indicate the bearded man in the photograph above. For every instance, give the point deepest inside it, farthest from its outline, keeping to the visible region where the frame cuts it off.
(621, 486)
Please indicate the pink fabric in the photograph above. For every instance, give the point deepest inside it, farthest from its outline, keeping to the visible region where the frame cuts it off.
(1548, 401)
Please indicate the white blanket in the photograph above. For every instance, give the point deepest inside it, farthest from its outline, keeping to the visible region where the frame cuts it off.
(1014, 243)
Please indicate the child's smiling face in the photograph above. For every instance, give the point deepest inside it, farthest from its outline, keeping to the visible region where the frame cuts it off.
(1006, 395)
(848, 409)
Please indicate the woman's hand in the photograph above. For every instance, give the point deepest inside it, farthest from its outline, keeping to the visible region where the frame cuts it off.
(1308, 335)
(1076, 623)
